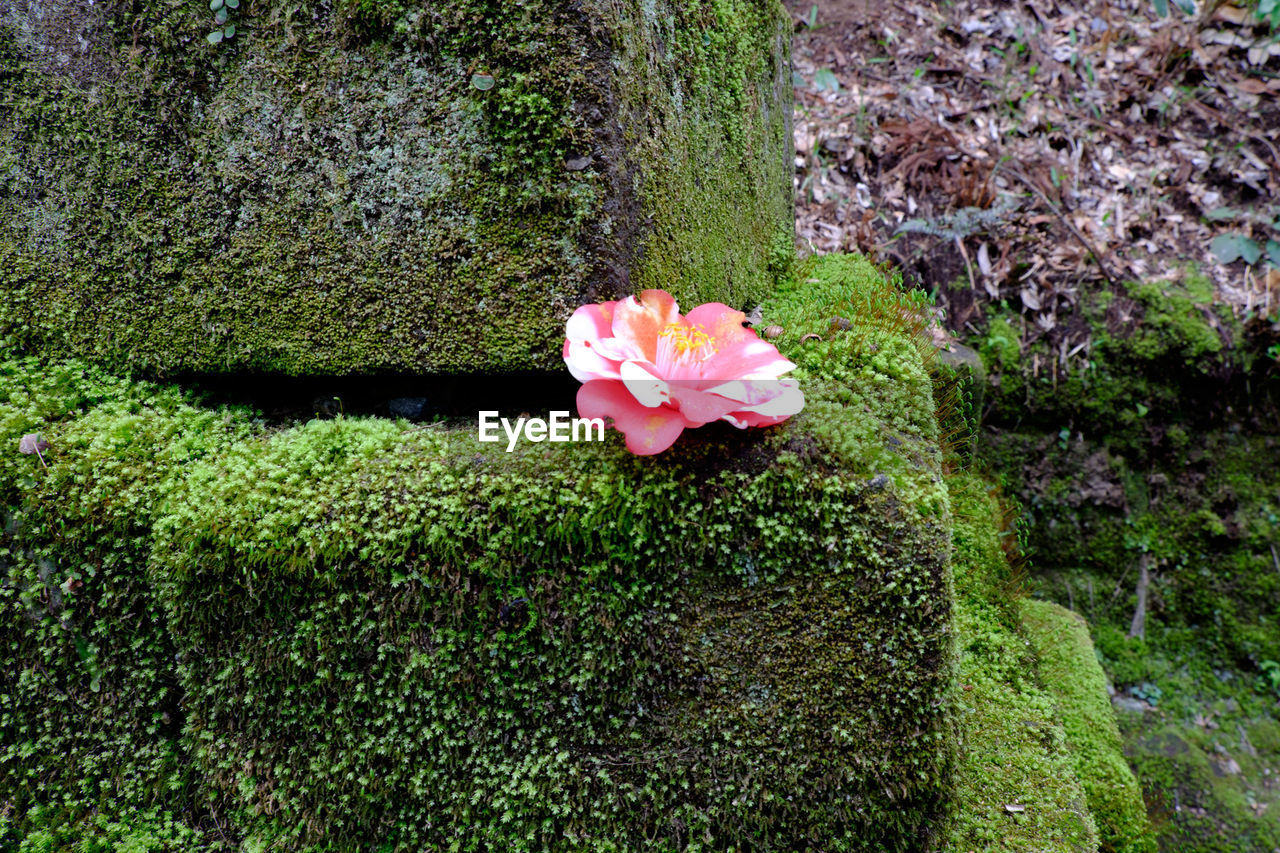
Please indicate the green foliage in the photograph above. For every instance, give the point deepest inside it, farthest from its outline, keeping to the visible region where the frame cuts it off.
(1016, 781)
(1204, 791)
(88, 673)
(1154, 348)
(1270, 678)
(369, 20)
(1187, 7)
(1162, 453)
(226, 28)
(76, 827)
(963, 222)
(1269, 11)
(528, 129)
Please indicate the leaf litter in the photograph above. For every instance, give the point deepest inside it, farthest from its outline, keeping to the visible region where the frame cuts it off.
(1029, 153)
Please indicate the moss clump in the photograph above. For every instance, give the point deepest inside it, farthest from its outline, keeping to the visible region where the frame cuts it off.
(1206, 792)
(1202, 517)
(399, 636)
(1158, 351)
(1079, 690)
(90, 699)
(77, 827)
(380, 187)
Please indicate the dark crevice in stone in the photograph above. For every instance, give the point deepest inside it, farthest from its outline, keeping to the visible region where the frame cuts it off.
(283, 399)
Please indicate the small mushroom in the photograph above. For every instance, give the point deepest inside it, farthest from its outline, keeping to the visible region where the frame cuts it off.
(810, 337)
(841, 323)
(772, 332)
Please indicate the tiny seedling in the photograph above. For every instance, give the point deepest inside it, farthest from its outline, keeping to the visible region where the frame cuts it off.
(824, 80)
(1235, 246)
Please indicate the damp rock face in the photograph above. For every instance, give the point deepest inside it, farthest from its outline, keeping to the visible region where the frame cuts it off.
(379, 186)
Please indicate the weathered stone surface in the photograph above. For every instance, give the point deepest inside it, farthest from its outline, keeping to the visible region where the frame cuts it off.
(379, 186)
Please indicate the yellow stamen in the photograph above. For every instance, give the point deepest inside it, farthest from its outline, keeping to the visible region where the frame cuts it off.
(689, 339)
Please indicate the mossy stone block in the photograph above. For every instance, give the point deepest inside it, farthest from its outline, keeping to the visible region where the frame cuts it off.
(376, 186)
(90, 700)
(395, 636)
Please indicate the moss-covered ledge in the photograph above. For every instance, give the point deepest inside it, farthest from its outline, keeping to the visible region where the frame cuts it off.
(1040, 761)
(362, 629)
(1073, 677)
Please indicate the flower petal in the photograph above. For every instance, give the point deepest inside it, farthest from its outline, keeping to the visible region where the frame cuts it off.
(787, 401)
(700, 407)
(591, 322)
(721, 322)
(637, 321)
(619, 350)
(748, 359)
(644, 385)
(586, 362)
(587, 350)
(752, 392)
(647, 430)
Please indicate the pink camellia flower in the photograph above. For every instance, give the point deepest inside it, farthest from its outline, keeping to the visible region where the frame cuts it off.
(655, 372)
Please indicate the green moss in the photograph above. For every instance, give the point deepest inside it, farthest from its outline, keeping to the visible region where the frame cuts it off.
(1176, 322)
(329, 193)
(75, 827)
(1205, 792)
(1157, 351)
(1016, 785)
(1161, 455)
(1002, 345)
(404, 636)
(88, 673)
(1202, 517)
(1079, 689)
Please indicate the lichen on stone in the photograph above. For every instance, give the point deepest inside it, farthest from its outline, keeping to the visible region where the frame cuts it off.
(329, 192)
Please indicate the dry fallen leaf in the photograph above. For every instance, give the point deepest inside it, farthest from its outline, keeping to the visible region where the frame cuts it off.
(1252, 85)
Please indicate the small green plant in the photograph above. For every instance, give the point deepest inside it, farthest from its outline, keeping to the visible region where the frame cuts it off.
(1269, 11)
(824, 80)
(1148, 692)
(222, 17)
(1270, 678)
(1188, 7)
(961, 223)
(1236, 246)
